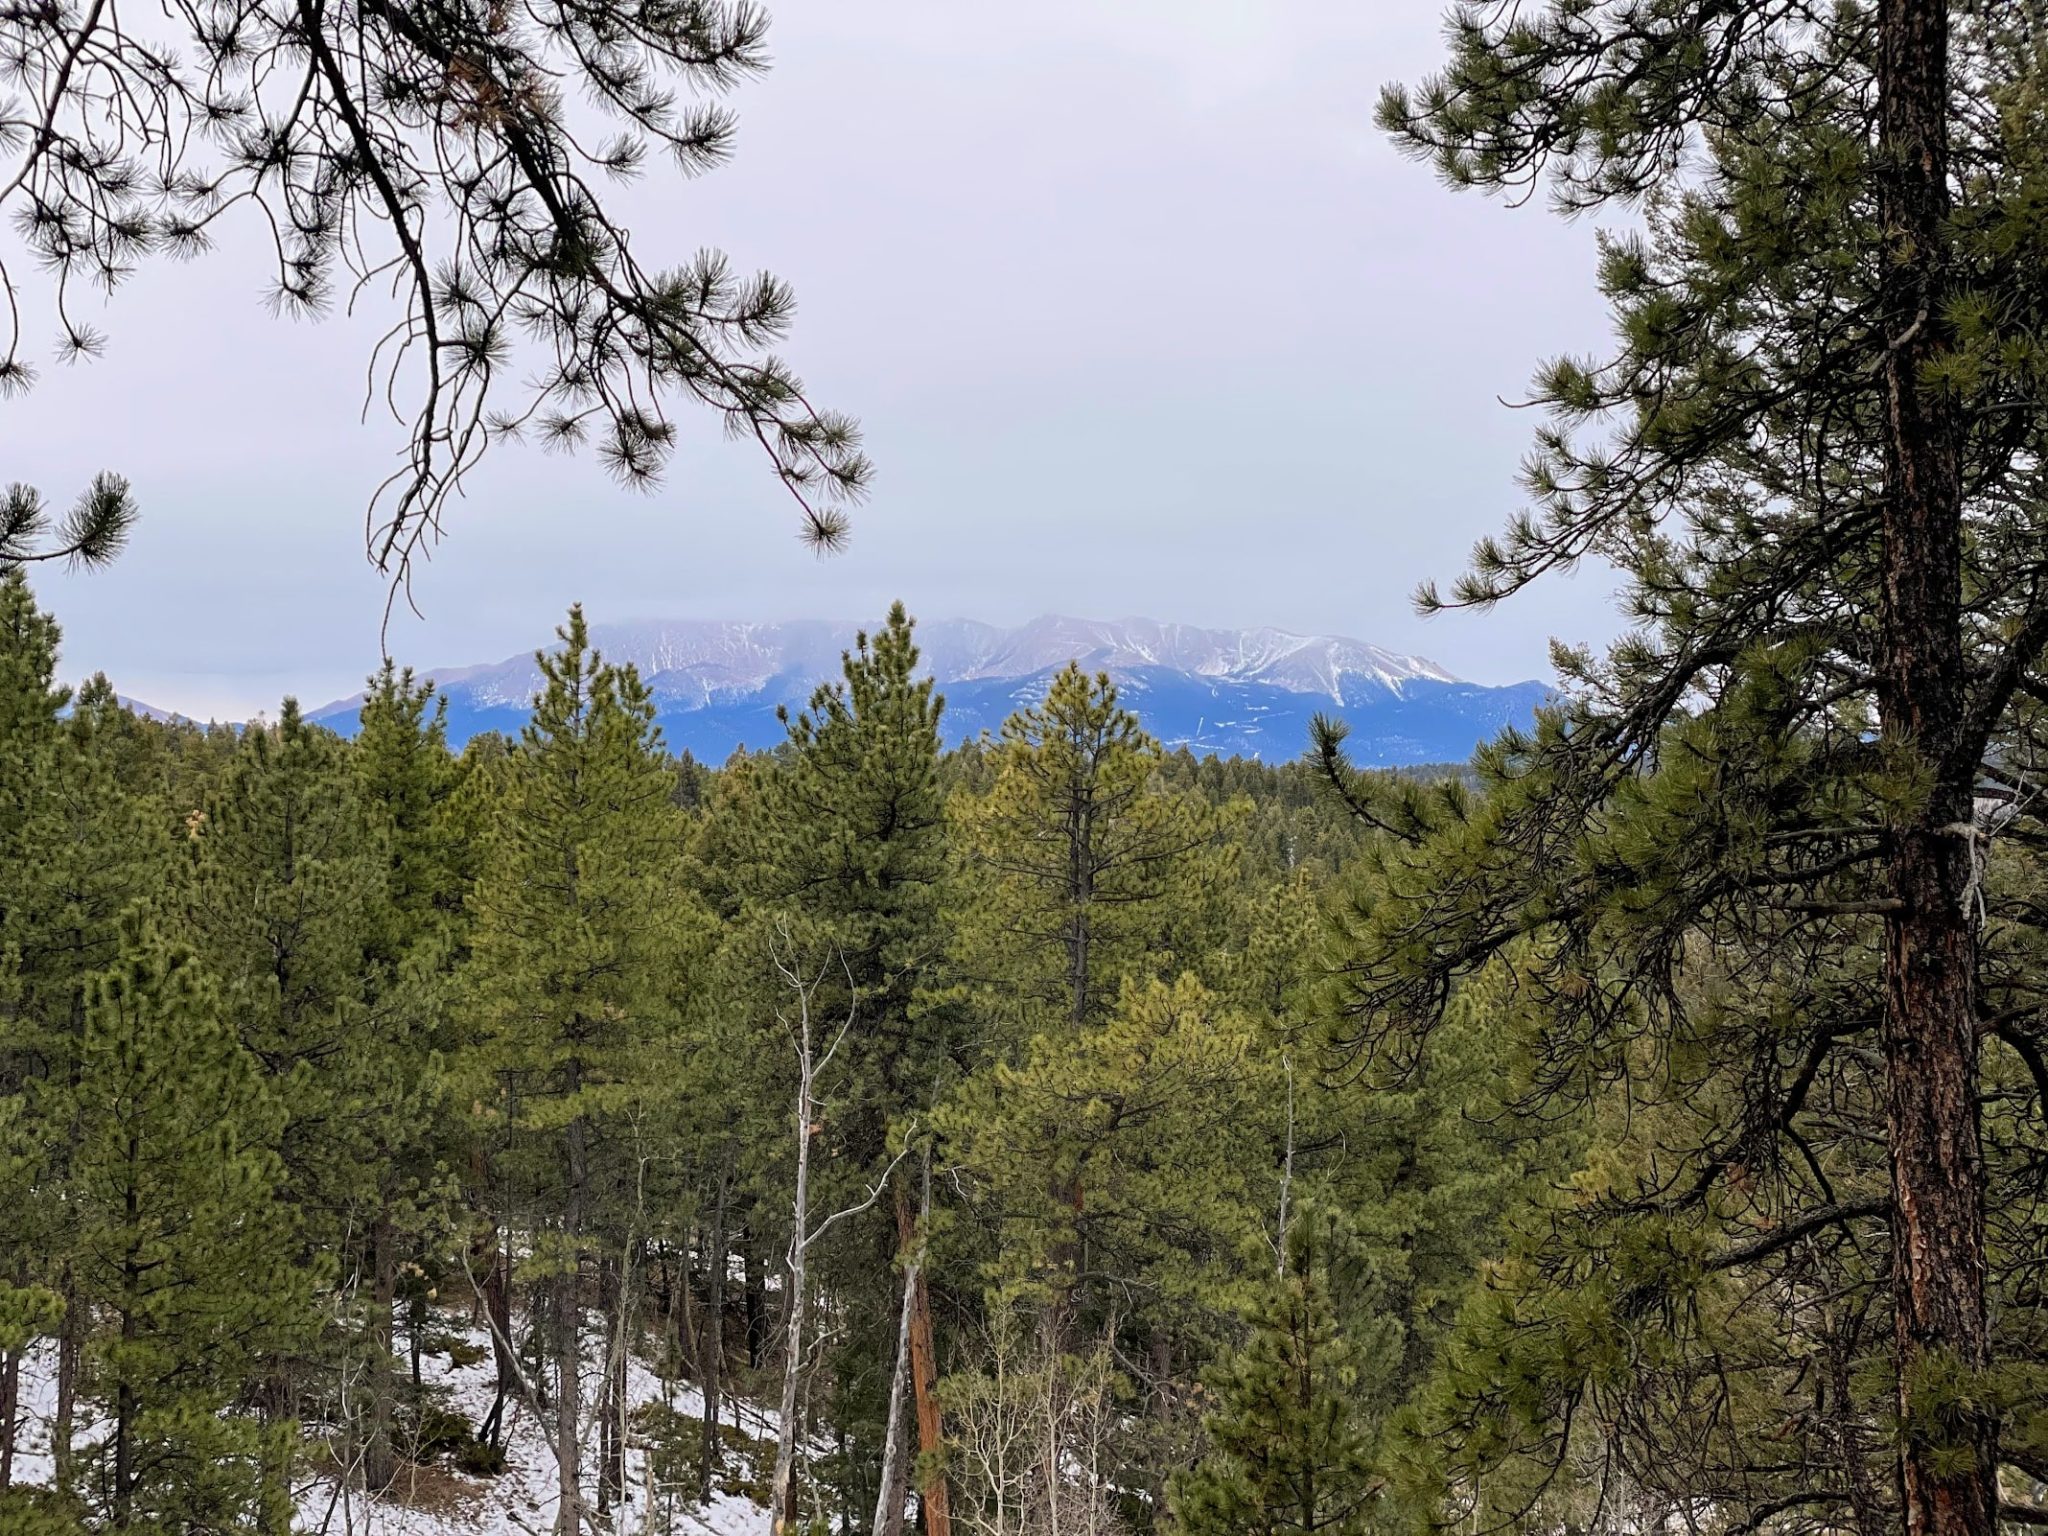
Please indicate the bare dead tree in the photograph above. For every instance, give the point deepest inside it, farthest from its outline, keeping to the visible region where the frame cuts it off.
(813, 1056)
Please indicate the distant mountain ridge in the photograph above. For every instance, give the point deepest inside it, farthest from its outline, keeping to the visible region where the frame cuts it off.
(717, 685)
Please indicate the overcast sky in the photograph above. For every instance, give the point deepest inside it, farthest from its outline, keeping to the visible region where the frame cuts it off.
(1140, 315)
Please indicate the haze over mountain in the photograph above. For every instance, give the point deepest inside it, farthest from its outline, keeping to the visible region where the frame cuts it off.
(717, 686)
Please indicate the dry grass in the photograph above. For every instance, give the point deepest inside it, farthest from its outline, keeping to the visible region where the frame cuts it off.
(434, 1490)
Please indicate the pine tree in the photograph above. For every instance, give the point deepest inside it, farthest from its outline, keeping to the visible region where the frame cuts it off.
(75, 850)
(1290, 1433)
(286, 879)
(186, 1248)
(1813, 455)
(29, 704)
(404, 780)
(1134, 1159)
(283, 895)
(1073, 861)
(849, 833)
(389, 1077)
(849, 837)
(570, 976)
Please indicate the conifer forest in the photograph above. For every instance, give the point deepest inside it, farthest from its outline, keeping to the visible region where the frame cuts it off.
(1639, 1129)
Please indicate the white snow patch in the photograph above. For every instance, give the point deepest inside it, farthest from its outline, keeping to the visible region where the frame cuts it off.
(520, 1501)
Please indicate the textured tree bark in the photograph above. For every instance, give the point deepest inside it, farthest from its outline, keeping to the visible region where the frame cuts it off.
(380, 1461)
(756, 1298)
(712, 1354)
(568, 1391)
(611, 1458)
(569, 1337)
(895, 1479)
(1948, 1460)
(498, 1304)
(68, 1348)
(934, 1506)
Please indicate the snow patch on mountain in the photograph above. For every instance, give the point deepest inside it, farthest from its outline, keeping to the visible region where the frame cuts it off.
(701, 662)
(718, 685)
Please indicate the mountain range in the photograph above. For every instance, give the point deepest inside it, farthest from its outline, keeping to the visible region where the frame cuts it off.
(1250, 692)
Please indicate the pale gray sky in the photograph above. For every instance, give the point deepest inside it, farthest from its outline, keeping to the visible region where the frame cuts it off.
(1139, 312)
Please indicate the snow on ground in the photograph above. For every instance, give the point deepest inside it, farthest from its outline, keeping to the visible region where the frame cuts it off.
(437, 1500)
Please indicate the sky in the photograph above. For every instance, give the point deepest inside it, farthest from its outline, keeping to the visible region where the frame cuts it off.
(1139, 313)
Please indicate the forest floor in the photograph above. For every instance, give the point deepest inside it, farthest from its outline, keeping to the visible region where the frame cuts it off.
(433, 1496)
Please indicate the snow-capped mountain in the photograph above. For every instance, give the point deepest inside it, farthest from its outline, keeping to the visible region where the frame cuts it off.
(717, 685)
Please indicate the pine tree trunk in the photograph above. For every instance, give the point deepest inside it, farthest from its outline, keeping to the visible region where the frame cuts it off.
(756, 1297)
(568, 1387)
(1161, 1404)
(497, 1289)
(682, 1307)
(611, 1470)
(935, 1508)
(1948, 1462)
(380, 1461)
(10, 1413)
(126, 1408)
(65, 1411)
(568, 1340)
(895, 1479)
(712, 1354)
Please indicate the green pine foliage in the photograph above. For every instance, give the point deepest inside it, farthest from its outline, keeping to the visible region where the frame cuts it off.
(1290, 1431)
(570, 987)
(1079, 866)
(1310, 1151)
(186, 1249)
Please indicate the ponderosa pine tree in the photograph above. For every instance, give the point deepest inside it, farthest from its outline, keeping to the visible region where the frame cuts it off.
(404, 778)
(1291, 1438)
(1814, 455)
(76, 848)
(849, 833)
(1137, 1157)
(29, 705)
(282, 902)
(1079, 873)
(286, 883)
(571, 973)
(187, 1250)
(1070, 861)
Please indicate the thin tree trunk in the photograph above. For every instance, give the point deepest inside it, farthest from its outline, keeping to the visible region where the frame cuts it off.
(756, 1300)
(611, 1471)
(10, 1413)
(1162, 1414)
(497, 1288)
(935, 1505)
(126, 1408)
(712, 1354)
(1948, 1457)
(782, 1490)
(67, 1381)
(380, 1461)
(568, 1340)
(895, 1479)
(682, 1309)
(568, 1387)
